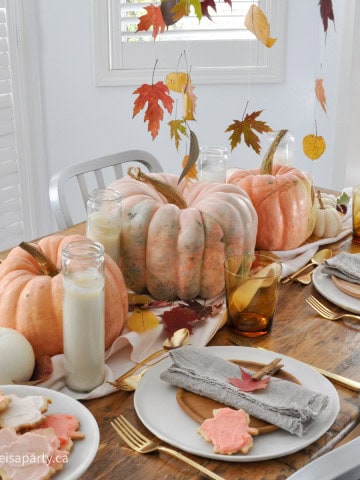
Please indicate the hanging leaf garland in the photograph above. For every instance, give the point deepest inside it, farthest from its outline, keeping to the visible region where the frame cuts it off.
(152, 95)
(192, 157)
(320, 93)
(152, 18)
(326, 13)
(177, 128)
(247, 128)
(257, 23)
(314, 146)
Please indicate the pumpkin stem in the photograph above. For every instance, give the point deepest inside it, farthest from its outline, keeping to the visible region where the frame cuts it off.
(321, 203)
(46, 265)
(267, 163)
(171, 194)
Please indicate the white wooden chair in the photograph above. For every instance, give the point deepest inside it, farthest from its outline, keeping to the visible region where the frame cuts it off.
(86, 176)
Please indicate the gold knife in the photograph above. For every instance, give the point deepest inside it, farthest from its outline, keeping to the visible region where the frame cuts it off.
(344, 381)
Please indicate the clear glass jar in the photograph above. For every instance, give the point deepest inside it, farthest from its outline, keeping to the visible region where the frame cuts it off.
(83, 314)
(284, 154)
(104, 220)
(212, 164)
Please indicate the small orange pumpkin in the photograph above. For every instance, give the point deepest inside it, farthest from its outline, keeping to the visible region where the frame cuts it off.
(31, 301)
(283, 198)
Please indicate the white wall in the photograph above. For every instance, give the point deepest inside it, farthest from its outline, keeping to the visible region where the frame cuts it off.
(83, 121)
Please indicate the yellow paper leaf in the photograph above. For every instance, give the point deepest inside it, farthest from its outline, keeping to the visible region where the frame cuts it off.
(313, 146)
(257, 23)
(142, 320)
(320, 93)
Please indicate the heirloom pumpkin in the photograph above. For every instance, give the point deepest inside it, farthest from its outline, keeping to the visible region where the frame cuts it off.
(175, 237)
(284, 201)
(31, 295)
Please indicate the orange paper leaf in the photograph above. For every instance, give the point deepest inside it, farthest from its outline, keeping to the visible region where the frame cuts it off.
(141, 320)
(152, 18)
(152, 95)
(246, 127)
(257, 23)
(320, 93)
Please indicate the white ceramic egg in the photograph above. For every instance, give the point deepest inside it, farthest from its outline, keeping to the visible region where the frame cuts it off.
(17, 359)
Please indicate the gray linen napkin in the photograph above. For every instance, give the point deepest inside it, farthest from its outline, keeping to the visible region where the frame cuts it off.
(345, 266)
(285, 404)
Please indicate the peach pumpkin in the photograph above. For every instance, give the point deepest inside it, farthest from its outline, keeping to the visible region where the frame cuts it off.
(31, 301)
(175, 237)
(283, 198)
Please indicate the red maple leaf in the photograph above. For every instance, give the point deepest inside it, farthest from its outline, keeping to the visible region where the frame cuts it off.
(247, 384)
(326, 12)
(187, 315)
(205, 5)
(152, 95)
(152, 18)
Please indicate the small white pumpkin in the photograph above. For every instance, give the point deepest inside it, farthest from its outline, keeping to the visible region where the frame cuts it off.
(329, 221)
(328, 200)
(17, 359)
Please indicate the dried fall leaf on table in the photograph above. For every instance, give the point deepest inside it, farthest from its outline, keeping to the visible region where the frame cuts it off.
(247, 128)
(152, 18)
(326, 12)
(257, 23)
(187, 315)
(320, 93)
(313, 146)
(247, 384)
(142, 320)
(152, 95)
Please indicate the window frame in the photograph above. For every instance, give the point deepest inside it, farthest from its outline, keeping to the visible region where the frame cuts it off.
(270, 67)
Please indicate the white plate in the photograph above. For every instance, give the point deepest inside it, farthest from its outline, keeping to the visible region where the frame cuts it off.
(83, 451)
(326, 287)
(156, 405)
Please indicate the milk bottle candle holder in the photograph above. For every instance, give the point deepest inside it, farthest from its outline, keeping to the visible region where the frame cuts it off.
(212, 164)
(83, 314)
(104, 220)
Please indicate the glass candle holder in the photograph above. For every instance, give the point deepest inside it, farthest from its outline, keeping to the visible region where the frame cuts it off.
(212, 164)
(104, 220)
(83, 314)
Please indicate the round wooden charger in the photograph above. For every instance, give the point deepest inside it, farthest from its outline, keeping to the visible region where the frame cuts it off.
(200, 408)
(352, 289)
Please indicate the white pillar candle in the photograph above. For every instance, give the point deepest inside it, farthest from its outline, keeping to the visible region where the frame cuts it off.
(104, 220)
(83, 315)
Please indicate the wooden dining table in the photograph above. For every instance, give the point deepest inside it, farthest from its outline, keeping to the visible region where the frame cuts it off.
(298, 332)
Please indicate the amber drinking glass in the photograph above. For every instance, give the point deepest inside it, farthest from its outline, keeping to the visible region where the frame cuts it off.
(252, 284)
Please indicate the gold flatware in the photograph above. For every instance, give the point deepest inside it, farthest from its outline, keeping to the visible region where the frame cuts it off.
(178, 339)
(142, 444)
(344, 381)
(304, 279)
(319, 257)
(326, 312)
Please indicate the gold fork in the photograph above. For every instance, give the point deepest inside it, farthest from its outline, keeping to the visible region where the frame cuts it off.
(141, 444)
(327, 313)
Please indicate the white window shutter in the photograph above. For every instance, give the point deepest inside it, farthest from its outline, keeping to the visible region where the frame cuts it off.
(11, 214)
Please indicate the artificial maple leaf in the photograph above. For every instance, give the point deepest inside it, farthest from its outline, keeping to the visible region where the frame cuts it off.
(257, 23)
(193, 155)
(191, 173)
(139, 320)
(247, 384)
(320, 93)
(152, 95)
(152, 18)
(326, 12)
(187, 315)
(246, 127)
(182, 9)
(177, 128)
